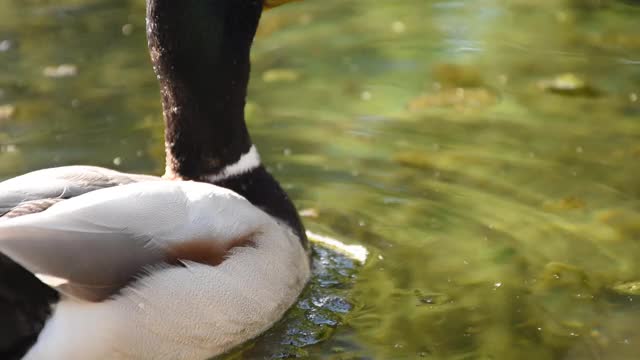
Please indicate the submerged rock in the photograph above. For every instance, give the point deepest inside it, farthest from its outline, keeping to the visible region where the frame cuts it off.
(309, 213)
(460, 98)
(7, 111)
(456, 75)
(625, 222)
(60, 71)
(561, 275)
(414, 159)
(567, 203)
(455, 85)
(568, 84)
(629, 288)
(280, 75)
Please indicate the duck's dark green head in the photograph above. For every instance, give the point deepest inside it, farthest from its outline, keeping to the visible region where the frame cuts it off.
(200, 52)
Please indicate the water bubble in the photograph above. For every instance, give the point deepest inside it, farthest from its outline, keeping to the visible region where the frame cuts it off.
(127, 29)
(398, 27)
(60, 71)
(5, 45)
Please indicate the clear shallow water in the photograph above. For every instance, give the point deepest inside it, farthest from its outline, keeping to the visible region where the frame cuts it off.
(499, 198)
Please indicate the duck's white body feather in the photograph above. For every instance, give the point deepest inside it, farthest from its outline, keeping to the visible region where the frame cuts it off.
(167, 312)
(62, 182)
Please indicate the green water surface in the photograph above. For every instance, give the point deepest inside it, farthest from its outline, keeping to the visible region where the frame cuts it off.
(486, 152)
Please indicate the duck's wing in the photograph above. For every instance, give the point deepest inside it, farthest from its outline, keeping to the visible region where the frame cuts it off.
(25, 302)
(95, 244)
(35, 190)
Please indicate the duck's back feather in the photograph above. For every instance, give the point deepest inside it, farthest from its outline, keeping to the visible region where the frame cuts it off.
(61, 183)
(105, 234)
(25, 302)
(98, 242)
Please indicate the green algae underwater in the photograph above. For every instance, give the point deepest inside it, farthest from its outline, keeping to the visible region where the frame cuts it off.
(485, 152)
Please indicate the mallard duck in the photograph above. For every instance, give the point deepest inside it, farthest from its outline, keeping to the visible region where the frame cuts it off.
(99, 264)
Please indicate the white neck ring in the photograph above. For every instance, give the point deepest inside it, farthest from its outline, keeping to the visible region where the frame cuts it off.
(247, 162)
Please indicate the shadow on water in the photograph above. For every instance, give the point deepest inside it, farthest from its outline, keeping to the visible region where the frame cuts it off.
(485, 152)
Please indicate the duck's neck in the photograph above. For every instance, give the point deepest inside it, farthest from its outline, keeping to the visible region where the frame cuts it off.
(200, 53)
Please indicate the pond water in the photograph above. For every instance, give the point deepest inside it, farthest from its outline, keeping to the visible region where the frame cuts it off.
(486, 153)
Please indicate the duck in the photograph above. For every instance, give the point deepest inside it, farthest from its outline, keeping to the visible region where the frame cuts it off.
(101, 264)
